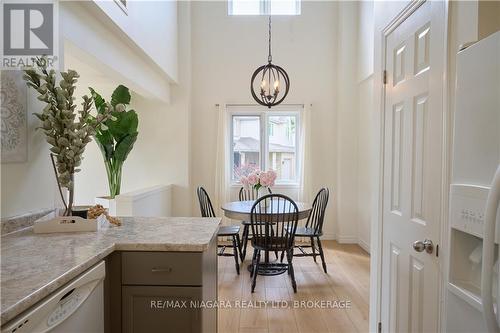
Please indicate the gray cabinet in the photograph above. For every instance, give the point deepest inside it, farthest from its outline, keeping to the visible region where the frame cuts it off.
(161, 309)
(162, 268)
(162, 291)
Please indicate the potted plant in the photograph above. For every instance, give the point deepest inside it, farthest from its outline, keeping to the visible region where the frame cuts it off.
(67, 130)
(116, 139)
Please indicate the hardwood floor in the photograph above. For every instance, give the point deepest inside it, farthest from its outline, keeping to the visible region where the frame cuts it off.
(347, 280)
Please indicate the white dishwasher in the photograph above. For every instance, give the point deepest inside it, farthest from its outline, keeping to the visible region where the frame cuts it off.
(78, 307)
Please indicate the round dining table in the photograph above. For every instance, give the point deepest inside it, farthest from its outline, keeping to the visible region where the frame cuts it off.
(240, 210)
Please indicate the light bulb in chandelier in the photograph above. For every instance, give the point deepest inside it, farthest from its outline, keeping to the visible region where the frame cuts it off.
(276, 86)
(263, 85)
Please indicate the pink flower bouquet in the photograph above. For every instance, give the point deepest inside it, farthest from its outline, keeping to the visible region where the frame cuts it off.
(258, 179)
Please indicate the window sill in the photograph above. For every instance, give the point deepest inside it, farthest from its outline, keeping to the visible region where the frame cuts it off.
(279, 185)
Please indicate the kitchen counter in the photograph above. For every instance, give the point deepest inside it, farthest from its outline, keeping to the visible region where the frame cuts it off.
(35, 265)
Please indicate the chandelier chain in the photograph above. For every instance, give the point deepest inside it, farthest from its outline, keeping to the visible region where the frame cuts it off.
(270, 57)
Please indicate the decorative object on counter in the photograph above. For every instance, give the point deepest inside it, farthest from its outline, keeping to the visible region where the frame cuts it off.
(107, 202)
(98, 210)
(13, 117)
(64, 224)
(81, 211)
(67, 130)
(117, 138)
(259, 179)
(96, 217)
(273, 81)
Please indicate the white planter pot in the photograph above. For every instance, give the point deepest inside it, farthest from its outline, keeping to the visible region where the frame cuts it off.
(108, 203)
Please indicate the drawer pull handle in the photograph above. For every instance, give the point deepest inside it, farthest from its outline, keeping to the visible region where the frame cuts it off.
(161, 270)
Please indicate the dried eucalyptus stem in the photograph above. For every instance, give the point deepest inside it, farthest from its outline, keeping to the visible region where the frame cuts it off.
(58, 183)
(67, 130)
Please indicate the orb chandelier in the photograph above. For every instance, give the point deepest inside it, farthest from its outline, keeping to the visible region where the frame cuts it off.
(271, 81)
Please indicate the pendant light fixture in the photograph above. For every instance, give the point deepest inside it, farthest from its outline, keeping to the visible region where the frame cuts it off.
(272, 83)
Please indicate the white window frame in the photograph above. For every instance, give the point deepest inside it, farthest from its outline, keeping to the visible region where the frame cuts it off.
(265, 9)
(264, 113)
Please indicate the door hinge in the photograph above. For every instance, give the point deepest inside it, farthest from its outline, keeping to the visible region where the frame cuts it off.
(379, 327)
(437, 250)
(384, 76)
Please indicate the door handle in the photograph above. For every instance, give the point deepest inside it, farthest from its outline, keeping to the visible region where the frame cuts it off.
(426, 245)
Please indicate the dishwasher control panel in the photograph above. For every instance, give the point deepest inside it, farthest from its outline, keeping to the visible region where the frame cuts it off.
(66, 306)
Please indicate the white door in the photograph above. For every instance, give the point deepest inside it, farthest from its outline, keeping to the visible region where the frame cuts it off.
(412, 180)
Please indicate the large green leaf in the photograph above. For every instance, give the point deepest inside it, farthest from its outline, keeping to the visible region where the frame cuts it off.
(105, 142)
(99, 102)
(124, 147)
(126, 123)
(120, 95)
(118, 139)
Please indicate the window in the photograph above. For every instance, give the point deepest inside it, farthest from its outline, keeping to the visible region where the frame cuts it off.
(265, 140)
(264, 7)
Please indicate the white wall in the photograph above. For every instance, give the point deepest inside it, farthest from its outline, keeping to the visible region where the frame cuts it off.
(365, 132)
(355, 132)
(225, 52)
(29, 186)
(90, 35)
(365, 40)
(347, 138)
(152, 26)
(161, 153)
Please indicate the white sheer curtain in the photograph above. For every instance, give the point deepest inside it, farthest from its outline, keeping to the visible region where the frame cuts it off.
(305, 194)
(221, 194)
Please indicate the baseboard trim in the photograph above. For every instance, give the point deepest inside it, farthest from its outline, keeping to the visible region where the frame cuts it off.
(364, 245)
(328, 236)
(347, 240)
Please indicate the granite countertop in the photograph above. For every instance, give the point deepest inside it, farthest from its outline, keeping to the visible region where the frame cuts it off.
(35, 265)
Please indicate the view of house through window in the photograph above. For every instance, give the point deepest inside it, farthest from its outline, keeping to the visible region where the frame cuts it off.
(246, 145)
(264, 7)
(281, 152)
(265, 141)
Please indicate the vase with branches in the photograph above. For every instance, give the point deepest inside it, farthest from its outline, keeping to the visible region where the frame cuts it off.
(67, 129)
(117, 138)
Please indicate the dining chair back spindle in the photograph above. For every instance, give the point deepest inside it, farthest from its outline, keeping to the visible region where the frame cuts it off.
(317, 215)
(247, 193)
(206, 208)
(273, 219)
